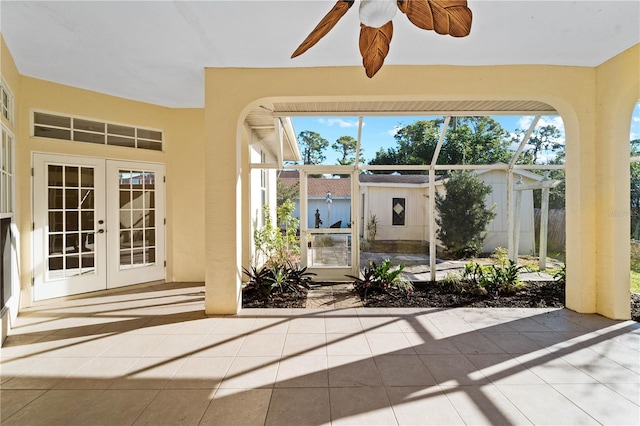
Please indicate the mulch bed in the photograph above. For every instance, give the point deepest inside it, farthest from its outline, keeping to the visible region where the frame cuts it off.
(536, 294)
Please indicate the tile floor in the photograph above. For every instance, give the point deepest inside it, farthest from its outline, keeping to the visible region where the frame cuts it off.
(151, 356)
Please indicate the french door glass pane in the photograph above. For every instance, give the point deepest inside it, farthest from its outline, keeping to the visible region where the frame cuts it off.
(71, 221)
(137, 218)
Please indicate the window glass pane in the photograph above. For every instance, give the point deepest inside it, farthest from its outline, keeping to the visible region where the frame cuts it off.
(88, 261)
(125, 257)
(137, 202)
(55, 244)
(150, 256)
(55, 263)
(150, 237)
(72, 262)
(71, 177)
(71, 221)
(154, 146)
(398, 211)
(88, 137)
(149, 134)
(137, 217)
(120, 141)
(86, 177)
(149, 180)
(138, 238)
(46, 132)
(88, 242)
(55, 198)
(55, 222)
(86, 202)
(115, 129)
(150, 219)
(138, 257)
(71, 244)
(71, 198)
(87, 221)
(52, 120)
(125, 199)
(125, 219)
(125, 239)
(92, 126)
(55, 176)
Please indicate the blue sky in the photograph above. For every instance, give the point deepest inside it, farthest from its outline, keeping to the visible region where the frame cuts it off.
(377, 132)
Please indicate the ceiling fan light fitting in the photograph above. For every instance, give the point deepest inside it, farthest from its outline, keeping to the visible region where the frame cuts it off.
(376, 13)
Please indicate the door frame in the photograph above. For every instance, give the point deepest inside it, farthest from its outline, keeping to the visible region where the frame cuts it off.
(43, 288)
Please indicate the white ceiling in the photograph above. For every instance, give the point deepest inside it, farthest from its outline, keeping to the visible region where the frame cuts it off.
(156, 51)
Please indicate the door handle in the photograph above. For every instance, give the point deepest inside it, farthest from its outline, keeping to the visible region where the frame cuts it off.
(99, 231)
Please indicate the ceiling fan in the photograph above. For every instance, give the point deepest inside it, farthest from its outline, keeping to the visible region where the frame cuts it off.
(451, 17)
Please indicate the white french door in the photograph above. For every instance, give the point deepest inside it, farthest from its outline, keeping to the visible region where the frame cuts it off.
(98, 224)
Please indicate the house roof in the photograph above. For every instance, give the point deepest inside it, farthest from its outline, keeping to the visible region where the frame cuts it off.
(318, 187)
(156, 51)
(394, 179)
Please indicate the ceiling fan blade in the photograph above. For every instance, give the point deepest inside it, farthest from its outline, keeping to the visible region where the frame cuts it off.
(451, 17)
(374, 46)
(325, 25)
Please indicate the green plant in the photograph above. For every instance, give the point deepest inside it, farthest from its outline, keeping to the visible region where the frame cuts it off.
(279, 279)
(502, 277)
(382, 277)
(462, 215)
(277, 246)
(560, 274)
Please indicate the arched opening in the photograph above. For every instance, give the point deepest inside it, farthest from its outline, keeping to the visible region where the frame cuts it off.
(634, 138)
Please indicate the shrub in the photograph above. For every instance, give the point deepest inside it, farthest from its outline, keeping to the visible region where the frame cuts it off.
(463, 216)
(382, 278)
(277, 246)
(560, 274)
(279, 279)
(498, 278)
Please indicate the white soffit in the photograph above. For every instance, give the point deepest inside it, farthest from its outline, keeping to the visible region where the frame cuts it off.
(156, 51)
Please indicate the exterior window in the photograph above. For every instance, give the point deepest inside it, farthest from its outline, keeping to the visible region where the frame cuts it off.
(6, 101)
(398, 211)
(6, 214)
(93, 131)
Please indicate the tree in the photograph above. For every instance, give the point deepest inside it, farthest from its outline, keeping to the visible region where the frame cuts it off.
(286, 192)
(635, 191)
(463, 216)
(313, 146)
(545, 138)
(346, 145)
(469, 140)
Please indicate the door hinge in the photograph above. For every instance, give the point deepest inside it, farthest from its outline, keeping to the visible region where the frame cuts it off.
(32, 172)
(165, 263)
(33, 280)
(33, 226)
(164, 179)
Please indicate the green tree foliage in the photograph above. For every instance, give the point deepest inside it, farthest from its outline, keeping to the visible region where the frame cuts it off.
(469, 140)
(545, 138)
(346, 146)
(635, 191)
(286, 192)
(278, 246)
(313, 146)
(463, 216)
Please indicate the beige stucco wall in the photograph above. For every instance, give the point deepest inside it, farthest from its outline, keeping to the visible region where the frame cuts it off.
(183, 160)
(230, 93)
(618, 90)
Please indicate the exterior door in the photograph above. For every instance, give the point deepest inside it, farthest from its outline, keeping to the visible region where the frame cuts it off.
(329, 242)
(95, 224)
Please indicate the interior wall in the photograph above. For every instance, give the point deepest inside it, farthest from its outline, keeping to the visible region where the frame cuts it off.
(231, 92)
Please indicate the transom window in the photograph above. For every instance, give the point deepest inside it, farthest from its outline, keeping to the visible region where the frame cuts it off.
(93, 131)
(6, 101)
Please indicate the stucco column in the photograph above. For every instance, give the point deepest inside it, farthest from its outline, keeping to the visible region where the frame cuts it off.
(618, 85)
(223, 198)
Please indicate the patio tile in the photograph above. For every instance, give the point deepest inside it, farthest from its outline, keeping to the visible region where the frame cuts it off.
(347, 344)
(630, 391)
(422, 406)
(361, 406)
(305, 325)
(196, 326)
(148, 373)
(403, 370)
(115, 407)
(556, 370)
(384, 343)
(548, 406)
(484, 405)
(453, 369)
(299, 406)
(303, 371)
(431, 344)
(53, 407)
(242, 407)
(270, 325)
(45, 374)
(602, 403)
(98, 373)
(305, 344)
(219, 345)
(475, 343)
(16, 399)
(353, 371)
(175, 346)
(200, 373)
(262, 345)
(385, 324)
(234, 325)
(251, 372)
(176, 407)
(502, 368)
(349, 324)
(133, 346)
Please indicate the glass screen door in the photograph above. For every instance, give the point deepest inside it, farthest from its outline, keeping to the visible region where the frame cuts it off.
(327, 235)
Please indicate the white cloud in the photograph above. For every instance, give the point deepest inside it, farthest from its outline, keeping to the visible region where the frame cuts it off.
(394, 131)
(339, 122)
